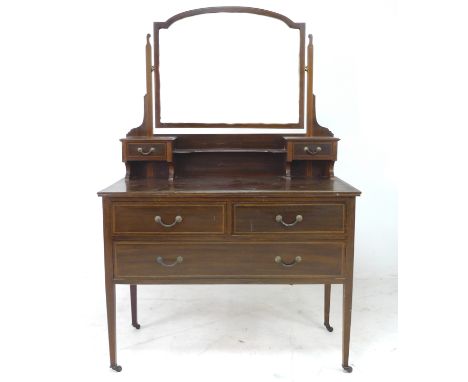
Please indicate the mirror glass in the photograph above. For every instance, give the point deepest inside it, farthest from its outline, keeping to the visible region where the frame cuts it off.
(229, 68)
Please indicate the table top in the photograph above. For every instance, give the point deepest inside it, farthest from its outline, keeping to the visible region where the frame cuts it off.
(267, 186)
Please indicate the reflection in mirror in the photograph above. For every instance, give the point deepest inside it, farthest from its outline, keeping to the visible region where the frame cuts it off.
(229, 68)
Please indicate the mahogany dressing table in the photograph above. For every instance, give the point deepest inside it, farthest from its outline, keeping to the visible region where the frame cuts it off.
(229, 208)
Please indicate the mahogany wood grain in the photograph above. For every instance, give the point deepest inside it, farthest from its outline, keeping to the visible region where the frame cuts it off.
(315, 217)
(146, 151)
(140, 218)
(139, 260)
(310, 88)
(110, 286)
(133, 304)
(148, 122)
(222, 279)
(219, 141)
(314, 151)
(326, 310)
(203, 209)
(348, 288)
(222, 185)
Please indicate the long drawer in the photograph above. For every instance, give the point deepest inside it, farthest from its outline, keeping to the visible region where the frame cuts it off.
(231, 259)
(168, 219)
(289, 218)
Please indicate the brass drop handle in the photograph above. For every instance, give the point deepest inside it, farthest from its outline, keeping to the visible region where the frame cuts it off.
(279, 219)
(178, 260)
(316, 151)
(140, 150)
(178, 219)
(279, 260)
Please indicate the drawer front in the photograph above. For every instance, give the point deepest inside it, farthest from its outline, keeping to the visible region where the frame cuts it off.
(313, 151)
(289, 218)
(151, 260)
(146, 151)
(168, 219)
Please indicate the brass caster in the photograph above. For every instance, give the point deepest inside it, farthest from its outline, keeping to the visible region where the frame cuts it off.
(348, 369)
(329, 328)
(117, 368)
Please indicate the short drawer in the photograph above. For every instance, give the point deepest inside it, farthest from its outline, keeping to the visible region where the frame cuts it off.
(313, 151)
(231, 259)
(286, 218)
(168, 219)
(146, 151)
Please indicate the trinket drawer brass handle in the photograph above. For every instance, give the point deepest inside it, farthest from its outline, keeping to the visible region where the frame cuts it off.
(279, 219)
(140, 150)
(279, 260)
(313, 152)
(178, 219)
(178, 260)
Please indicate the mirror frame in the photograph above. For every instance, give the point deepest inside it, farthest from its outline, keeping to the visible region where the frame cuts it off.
(256, 11)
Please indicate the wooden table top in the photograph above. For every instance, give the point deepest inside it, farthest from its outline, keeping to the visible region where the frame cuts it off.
(267, 186)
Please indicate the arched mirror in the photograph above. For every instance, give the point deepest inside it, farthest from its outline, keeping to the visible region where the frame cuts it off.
(231, 67)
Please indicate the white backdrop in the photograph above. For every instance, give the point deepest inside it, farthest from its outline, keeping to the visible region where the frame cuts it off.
(72, 84)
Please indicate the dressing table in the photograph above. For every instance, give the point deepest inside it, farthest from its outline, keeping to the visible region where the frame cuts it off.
(242, 208)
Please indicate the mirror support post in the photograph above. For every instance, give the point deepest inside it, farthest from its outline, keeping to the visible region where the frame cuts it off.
(313, 127)
(148, 122)
(310, 92)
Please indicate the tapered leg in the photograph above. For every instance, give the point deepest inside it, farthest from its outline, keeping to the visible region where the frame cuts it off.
(347, 307)
(326, 314)
(110, 286)
(133, 303)
(111, 326)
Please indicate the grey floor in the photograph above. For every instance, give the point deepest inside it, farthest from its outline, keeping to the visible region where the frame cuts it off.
(253, 332)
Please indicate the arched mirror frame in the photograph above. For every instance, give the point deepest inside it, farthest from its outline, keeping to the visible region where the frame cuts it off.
(256, 11)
